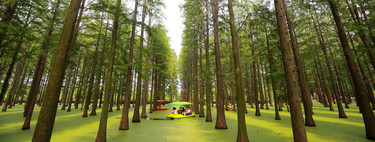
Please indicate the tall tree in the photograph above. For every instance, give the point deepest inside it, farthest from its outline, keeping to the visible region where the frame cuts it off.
(102, 132)
(44, 126)
(241, 134)
(299, 132)
(364, 104)
(306, 99)
(124, 125)
(208, 78)
(220, 119)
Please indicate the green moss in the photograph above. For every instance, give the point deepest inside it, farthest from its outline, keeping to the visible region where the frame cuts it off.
(70, 126)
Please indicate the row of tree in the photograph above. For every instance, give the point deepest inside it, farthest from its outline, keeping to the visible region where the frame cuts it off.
(84, 54)
(247, 38)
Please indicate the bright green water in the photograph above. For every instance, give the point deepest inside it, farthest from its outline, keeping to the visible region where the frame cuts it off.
(71, 127)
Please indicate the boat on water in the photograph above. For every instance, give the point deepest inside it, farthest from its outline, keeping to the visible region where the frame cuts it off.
(180, 116)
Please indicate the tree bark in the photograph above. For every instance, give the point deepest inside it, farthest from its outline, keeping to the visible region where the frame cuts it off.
(309, 121)
(124, 125)
(9, 74)
(220, 121)
(44, 126)
(272, 70)
(14, 84)
(241, 134)
(74, 84)
(364, 105)
(208, 78)
(299, 132)
(102, 132)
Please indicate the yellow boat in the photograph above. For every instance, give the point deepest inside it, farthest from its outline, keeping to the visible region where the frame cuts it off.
(179, 116)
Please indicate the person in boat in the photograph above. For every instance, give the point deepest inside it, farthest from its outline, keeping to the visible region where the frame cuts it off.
(174, 111)
(183, 112)
(188, 111)
(179, 111)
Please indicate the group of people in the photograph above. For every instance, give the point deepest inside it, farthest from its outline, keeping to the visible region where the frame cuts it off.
(182, 111)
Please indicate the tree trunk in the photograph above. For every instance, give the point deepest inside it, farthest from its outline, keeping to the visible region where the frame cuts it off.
(272, 70)
(309, 121)
(66, 89)
(195, 80)
(208, 78)
(333, 81)
(14, 84)
(124, 125)
(102, 132)
(81, 84)
(74, 84)
(260, 87)
(241, 134)
(220, 121)
(364, 105)
(44, 126)
(94, 70)
(299, 132)
(9, 74)
(201, 38)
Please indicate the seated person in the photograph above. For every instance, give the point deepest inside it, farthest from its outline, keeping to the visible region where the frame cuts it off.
(174, 111)
(179, 111)
(183, 112)
(188, 111)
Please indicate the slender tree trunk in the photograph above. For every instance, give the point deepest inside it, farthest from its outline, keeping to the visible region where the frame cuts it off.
(208, 78)
(146, 83)
(195, 79)
(66, 89)
(74, 85)
(14, 84)
(9, 74)
(113, 92)
(136, 117)
(241, 134)
(81, 84)
(124, 125)
(364, 105)
(44, 126)
(333, 81)
(102, 132)
(309, 121)
(201, 40)
(260, 87)
(272, 70)
(220, 121)
(299, 132)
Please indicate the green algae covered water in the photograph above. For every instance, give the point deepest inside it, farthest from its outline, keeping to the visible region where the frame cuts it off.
(71, 127)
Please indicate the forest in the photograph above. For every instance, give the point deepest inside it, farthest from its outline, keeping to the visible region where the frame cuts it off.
(303, 68)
